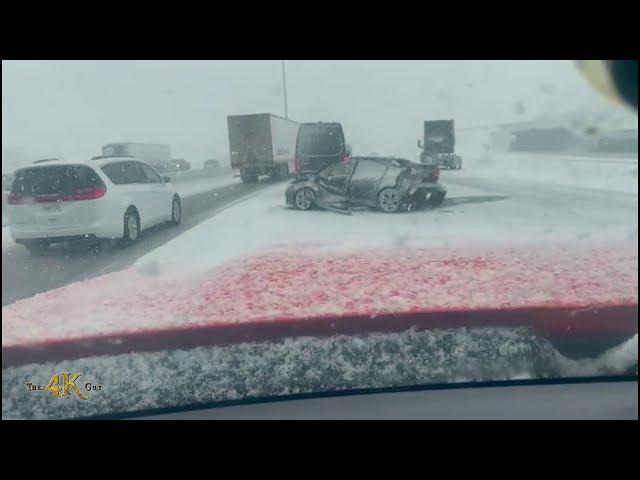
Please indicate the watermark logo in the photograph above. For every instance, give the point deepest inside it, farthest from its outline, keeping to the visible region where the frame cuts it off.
(65, 385)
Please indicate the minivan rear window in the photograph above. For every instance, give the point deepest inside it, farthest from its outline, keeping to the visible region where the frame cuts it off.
(319, 140)
(55, 180)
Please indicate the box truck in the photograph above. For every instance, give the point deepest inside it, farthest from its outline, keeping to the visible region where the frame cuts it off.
(262, 144)
(157, 155)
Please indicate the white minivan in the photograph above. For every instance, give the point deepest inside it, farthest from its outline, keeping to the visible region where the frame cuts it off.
(101, 198)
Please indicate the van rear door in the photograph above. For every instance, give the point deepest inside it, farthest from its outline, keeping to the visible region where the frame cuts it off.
(319, 145)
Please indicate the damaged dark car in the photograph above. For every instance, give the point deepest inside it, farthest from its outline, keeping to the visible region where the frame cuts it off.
(389, 184)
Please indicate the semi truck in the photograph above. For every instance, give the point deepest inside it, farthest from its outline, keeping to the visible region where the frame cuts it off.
(438, 145)
(157, 155)
(262, 144)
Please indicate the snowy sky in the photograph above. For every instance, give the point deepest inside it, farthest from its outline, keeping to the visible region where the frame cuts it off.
(70, 109)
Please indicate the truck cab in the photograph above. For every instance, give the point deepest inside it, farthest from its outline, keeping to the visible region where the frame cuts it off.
(438, 146)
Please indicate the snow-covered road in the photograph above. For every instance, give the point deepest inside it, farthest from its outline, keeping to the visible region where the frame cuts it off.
(477, 210)
(199, 185)
(24, 275)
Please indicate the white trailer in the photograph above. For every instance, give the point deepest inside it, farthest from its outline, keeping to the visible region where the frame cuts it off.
(155, 154)
(262, 144)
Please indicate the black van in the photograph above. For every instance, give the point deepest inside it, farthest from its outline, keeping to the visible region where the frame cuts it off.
(319, 145)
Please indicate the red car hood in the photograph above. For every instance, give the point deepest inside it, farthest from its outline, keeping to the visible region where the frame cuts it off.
(559, 291)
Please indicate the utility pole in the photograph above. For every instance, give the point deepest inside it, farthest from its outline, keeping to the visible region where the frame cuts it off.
(284, 88)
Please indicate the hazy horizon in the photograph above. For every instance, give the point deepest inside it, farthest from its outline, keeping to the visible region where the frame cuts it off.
(70, 109)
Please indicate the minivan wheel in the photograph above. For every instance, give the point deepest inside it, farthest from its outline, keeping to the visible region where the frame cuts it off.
(176, 211)
(131, 227)
(390, 200)
(304, 199)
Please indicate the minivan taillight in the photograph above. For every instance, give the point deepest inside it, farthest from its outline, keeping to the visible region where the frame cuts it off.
(81, 194)
(296, 165)
(346, 157)
(435, 176)
(89, 193)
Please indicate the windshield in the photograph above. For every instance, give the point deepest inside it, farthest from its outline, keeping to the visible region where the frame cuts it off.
(492, 237)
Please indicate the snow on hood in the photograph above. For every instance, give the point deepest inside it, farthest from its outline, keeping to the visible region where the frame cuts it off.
(281, 284)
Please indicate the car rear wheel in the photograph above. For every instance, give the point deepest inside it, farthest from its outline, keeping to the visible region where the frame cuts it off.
(131, 227)
(176, 211)
(304, 199)
(390, 200)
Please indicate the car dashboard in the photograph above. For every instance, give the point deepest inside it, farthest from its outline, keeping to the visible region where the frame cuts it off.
(604, 399)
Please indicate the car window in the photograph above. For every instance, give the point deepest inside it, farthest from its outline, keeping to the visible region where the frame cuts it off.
(123, 173)
(54, 180)
(369, 170)
(150, 175)
(339, 170)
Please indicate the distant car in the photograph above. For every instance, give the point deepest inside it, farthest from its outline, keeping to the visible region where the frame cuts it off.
(174, 166)
(319, 145)
(390, 184)
(105, 198)
(211, 165)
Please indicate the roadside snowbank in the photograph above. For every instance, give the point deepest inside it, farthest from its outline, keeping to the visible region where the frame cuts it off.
(605, 172)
